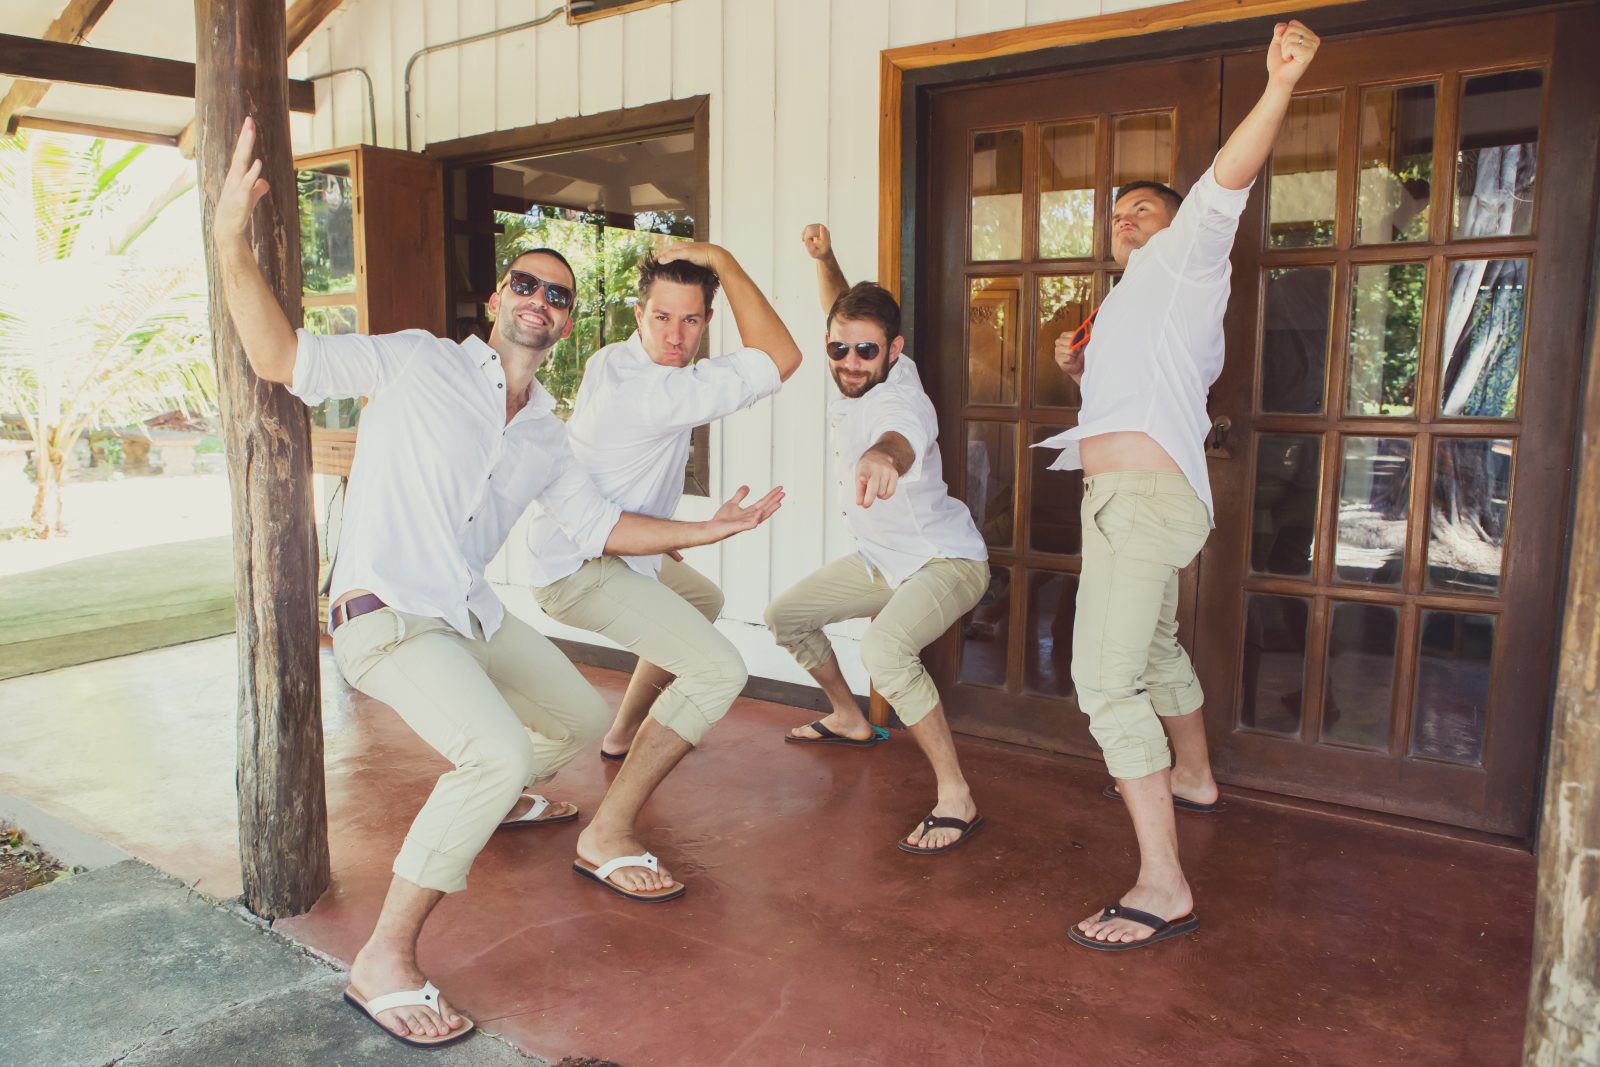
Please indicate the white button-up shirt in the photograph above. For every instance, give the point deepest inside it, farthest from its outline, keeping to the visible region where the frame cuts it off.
(439, 475)
(631, 430)
(1157, 341)
(921, 521)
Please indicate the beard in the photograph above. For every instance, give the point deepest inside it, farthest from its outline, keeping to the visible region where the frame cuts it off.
(879, 372)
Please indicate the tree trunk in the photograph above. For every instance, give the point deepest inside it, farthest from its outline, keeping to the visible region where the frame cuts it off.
(283, 823)
(1564, 1003)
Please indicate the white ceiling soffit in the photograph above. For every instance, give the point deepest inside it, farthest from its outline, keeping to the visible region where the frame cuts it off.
(161, 28)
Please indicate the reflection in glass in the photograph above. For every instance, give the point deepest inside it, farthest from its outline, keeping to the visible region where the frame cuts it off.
(1358, 693)
(1288, 473)
(1452, 706)
(1385, 338)
(992, 479)
(986, 632)
(1396, 163)
(1055, 523)
(1467, 526)
(1065, 300)
(1294, 339)
(1272, 693)
(1302, 189)
(994, 332)
(1483, 328)
(1141, 149)
(1066, 191)
(1374, 500)
(339, 413)
(1498, 153)
(1047, 656)
(327, 231)
(997, 195)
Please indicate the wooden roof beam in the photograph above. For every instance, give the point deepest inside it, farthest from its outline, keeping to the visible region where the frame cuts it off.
(77, 19)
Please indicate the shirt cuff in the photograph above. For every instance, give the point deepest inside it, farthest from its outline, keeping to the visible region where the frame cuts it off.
(593, 544)
(757, 368)
(1215, 198)
(306, 357)
(911, 433)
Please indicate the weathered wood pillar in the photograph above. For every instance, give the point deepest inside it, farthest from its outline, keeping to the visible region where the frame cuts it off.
(283, 820)
(1564, 1003)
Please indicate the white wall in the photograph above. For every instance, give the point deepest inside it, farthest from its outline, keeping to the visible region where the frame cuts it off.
(794, 139)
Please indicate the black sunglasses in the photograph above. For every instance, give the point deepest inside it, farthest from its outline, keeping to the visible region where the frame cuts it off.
(867, 350)
(524, 284)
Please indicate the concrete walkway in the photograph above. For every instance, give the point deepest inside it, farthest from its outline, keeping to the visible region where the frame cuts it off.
(126, 966)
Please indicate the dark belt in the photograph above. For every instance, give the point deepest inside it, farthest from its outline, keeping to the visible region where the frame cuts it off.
(356, 605)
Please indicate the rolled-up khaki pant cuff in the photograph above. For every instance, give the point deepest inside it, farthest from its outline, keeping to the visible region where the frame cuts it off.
(1136, 760)
(1181, 700)
(677, 714)
(912, 704)
(810, 651)
(431, 870)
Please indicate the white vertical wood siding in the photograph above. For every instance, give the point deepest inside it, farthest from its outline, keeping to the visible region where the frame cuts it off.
(794, 139)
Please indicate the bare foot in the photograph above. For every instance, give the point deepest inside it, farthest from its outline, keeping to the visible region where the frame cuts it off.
(376, 973)
(616, 743)
(598, 846)
(1169, 902)
(958, 806)
(558, 809)
(1198, 787)
(851, 724)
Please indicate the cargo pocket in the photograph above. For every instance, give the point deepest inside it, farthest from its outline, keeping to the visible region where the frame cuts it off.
(359, 644)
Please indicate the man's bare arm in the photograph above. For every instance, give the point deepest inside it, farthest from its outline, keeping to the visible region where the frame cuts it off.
(759, 325)
(269, 340)
(879, 469)
(643, 535)
(1247, 149)
(831, 282)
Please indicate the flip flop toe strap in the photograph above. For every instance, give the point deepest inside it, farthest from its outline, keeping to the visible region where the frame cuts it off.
(647, 861)
(944, 822)
(822, 731)
(427, 997)
(1144, 918)
(540, 804)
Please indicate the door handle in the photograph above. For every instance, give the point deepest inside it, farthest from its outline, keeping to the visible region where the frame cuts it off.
(1218, 437)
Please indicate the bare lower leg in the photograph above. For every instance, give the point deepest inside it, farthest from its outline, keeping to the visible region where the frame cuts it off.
(646, 684)
(387, 963)
(932, 734)
(1161, 889)
(846, 718)
(1191, 759)
(611, 833)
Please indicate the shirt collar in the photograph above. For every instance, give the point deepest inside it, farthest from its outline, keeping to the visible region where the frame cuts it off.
(489, 362)
(904, 372)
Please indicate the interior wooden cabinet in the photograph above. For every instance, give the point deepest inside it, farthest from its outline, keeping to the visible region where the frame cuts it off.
(372, 262)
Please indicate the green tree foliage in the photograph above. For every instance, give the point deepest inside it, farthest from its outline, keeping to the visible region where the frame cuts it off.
(102, 312)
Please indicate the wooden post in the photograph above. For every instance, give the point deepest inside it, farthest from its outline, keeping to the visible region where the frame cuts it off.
(1564, 1003)
(283, 819)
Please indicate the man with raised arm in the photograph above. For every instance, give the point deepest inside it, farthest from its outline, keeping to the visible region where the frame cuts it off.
(456, 440)
(1146, 360)
(919, 565)
(630, 430)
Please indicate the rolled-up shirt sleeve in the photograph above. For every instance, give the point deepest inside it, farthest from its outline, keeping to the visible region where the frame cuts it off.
(708, 390)
(902, 415)
(328, 366)
(572, 500)
(1198, 243)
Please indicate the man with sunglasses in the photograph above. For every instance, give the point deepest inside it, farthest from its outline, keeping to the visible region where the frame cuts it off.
(1146, 360)
(630, 429)
(919, 565)
(456, 440)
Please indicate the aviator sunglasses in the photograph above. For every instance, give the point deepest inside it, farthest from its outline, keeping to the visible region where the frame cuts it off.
(524, 284)
(867, 350)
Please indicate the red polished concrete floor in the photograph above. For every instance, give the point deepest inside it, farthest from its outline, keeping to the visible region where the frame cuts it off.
(806, 937)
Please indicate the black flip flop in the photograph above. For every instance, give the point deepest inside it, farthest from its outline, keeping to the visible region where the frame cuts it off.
(1178, 802)
(934, 822)
(1163, 929)
(830, 738)
(613, 757)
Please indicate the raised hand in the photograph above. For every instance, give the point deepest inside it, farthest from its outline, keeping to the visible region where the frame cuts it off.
(731, 518)
(1069, 357)
(1293, 45)
(817, 240)
(701, 253)
(242, 187)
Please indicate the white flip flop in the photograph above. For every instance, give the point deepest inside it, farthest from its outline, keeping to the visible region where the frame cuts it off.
(531, 816)
(602, 874)
(426, 997)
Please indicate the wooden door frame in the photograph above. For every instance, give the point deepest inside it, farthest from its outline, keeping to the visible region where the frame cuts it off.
(909, 77)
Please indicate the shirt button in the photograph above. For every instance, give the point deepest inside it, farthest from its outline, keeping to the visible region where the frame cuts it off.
(499, 385)
(469, 518)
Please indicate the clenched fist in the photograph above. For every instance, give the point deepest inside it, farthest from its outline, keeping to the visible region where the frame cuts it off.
(818, 242)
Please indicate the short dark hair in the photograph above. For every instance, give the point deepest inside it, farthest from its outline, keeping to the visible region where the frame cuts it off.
(869, 301)
(1170, 196)
(681, 271)
(552, 253)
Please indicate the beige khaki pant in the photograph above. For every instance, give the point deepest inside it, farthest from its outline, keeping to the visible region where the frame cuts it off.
(507, 712)
(1139, 530)
(667, 622)
(909, 617)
